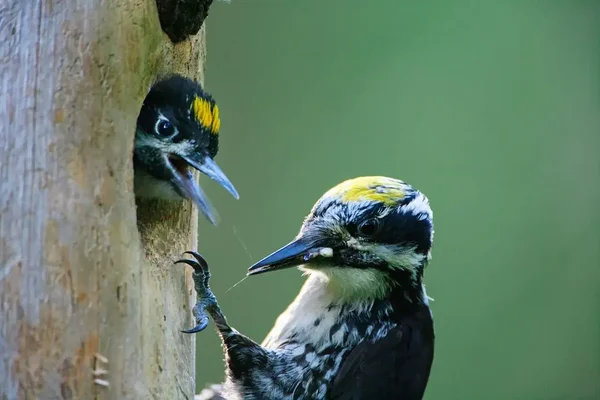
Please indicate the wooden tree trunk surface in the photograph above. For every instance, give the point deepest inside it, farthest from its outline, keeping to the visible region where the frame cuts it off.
(82, 271)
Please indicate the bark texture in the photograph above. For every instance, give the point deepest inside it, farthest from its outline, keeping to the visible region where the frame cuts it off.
(80, 272)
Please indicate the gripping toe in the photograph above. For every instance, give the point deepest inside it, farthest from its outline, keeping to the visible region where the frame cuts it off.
(201, 260)
(195, 329)
(202, 324)
(197, 267)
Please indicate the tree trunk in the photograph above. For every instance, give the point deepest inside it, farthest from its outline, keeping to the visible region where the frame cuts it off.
(82, 276)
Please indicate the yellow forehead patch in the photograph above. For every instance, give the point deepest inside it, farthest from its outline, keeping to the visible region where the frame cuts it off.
(369, 188)
(207, 114)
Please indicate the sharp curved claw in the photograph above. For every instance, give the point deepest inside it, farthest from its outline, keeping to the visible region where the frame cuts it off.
(206, 298)
(195, 329)
(198, 328)
(194, 264)
(200, 266)
(201, 260)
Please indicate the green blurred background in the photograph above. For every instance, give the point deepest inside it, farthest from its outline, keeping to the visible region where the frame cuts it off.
(491, 108)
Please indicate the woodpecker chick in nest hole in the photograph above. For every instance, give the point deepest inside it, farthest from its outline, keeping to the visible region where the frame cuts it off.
(178, 129)
(361, 327)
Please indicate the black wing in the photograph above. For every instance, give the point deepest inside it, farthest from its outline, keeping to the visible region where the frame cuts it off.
(394, 368)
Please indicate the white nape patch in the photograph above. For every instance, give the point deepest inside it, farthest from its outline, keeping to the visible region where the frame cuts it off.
(419, 207)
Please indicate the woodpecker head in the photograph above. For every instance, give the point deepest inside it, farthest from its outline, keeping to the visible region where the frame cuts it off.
(365, 236)
(178, 128)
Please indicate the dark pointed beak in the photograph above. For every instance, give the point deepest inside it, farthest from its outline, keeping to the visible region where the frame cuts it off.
(296, 253)
(209, 167)
(191, 189)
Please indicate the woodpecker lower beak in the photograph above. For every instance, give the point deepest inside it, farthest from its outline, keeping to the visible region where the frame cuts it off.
(296, 253)
(190, 188)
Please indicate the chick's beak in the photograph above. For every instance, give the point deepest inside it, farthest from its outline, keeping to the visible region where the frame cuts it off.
(191, 189)
(296, 253)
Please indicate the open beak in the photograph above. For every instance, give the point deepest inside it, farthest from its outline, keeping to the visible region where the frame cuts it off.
(296, 253)
(191, 189)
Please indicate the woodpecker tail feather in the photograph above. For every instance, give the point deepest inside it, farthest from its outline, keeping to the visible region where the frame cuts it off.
(213, 392)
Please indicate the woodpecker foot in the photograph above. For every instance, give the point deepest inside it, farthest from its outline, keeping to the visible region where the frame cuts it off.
(206, 299)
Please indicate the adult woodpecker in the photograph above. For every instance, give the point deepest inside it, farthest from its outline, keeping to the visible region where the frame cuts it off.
(361, 327)
(178, 128)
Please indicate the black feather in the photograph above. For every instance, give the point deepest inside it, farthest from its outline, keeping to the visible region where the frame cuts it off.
(396, 367)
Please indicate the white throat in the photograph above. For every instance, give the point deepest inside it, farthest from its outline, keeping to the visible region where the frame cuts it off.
(351, 285)
(313, 313)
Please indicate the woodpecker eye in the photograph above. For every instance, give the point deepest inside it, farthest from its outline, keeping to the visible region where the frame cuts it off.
(369, 227)
(164, 128)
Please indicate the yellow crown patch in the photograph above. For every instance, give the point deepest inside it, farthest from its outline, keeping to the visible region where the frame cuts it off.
(206, 114)
(369, 188)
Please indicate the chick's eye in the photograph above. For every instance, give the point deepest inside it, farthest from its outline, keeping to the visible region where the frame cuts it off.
(164, 128)
(369, 227)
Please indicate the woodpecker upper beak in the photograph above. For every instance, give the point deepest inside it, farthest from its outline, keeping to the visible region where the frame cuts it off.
(190, 188)
(296, 253)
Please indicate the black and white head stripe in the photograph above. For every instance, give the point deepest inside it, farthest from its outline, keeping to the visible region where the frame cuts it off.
(402, 213)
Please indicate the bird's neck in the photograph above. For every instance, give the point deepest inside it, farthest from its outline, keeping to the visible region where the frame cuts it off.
(326, 313)
(355, 287)
(349, 286)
